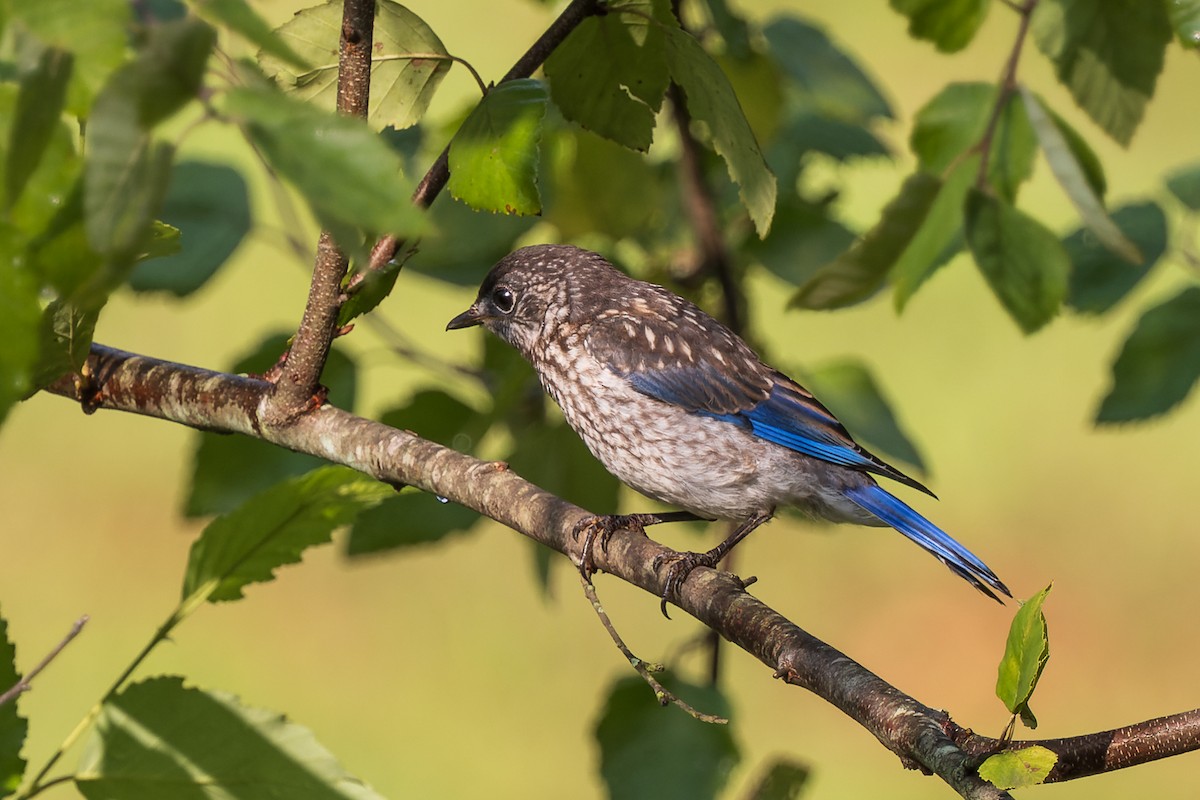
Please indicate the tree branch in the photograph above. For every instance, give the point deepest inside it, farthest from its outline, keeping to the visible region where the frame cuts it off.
(300, 374)
(1106, 751)
(923, 738)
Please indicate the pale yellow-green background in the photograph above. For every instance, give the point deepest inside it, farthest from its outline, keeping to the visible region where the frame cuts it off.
(444, 673)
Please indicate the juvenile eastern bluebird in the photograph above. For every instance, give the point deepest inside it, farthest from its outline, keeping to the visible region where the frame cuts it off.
(676, 405)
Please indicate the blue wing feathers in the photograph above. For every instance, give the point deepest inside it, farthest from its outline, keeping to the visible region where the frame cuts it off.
(896, 513)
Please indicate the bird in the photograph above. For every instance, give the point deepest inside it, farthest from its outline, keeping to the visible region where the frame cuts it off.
(678, 407)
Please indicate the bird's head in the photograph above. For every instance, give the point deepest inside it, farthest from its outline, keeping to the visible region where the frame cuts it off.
(530, 291)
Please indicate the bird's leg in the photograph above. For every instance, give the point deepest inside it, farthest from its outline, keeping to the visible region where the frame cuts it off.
(682, 564)
(602, 527)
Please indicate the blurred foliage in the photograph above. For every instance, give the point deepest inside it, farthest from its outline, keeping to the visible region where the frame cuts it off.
(94, 201)
(13, 727)
(651, 752)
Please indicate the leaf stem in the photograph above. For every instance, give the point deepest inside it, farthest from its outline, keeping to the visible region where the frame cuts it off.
(1007, 85)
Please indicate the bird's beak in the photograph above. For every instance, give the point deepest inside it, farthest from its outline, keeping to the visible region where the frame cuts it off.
(466, 319)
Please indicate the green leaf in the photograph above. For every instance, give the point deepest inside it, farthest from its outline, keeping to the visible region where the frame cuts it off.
(1185, 19)
(158, 738)
(950, 123)
(839, 140)
(38, 114)
(126, 173)
(828, 80)
(45, 189)
(209, 204)
(610, 74)
(1023, 261)
(850, 391)
(955, 120)
(19, 317)
(62, 255)
(1184, 183)
(1074, 181)
(401, 86)
(1016, 769)
(494, 155)
(758, 84)
(227, 469)
(940, 237)
(447, 255)
(1089, 162)
(554, 458)
(239, 17)
(1159, 362)
(802, 240)
(274, 528)
(408, 519)
(601, 187)
(647, 751)
(375, 286)
(711, 102)
(949, 24)
(95, 33)
(1099, 278)
(13, 727)
(349, 176)
(861, 271)
(165, 240)
(64, 339)
(1108, 53)
(1025, 654)
(732, 27)
(783, 779)
(123, 193)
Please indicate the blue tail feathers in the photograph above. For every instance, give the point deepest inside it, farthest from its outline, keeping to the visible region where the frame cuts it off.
(896, 513)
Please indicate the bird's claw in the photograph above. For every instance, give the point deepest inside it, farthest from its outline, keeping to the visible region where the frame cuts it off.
(600, 529)
(679, 567)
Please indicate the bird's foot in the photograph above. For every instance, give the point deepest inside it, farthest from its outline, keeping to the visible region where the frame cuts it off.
(682, 564)
(679, 566)
(600, 528)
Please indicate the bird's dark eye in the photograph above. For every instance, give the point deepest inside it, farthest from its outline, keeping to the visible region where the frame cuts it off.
(503, 299)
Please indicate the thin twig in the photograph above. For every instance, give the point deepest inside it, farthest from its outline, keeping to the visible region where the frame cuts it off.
(644, 669)
(24, 684)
